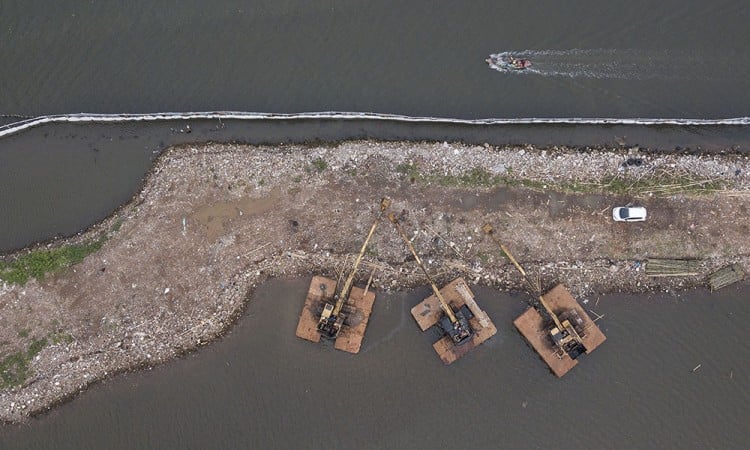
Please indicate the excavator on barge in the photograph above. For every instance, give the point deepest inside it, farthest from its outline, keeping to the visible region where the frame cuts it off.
(342, 316)
(569, 332)
(453, 309)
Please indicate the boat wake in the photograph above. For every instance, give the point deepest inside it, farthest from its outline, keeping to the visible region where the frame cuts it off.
(614, 64)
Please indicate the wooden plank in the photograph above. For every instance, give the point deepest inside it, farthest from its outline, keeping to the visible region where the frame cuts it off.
(427, 312)
(672, 267)
(358, 313)
(726, 276)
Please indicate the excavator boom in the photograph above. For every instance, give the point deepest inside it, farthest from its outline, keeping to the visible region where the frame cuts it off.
(458, 328)
(331, 318)
(563, 334)
(344, 294)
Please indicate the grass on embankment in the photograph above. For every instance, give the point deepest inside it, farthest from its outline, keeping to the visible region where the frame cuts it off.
(14, 368)
(38, 263)
(659, 184)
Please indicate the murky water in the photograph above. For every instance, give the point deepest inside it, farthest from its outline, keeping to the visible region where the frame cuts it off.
(262, 387)
(631, 58)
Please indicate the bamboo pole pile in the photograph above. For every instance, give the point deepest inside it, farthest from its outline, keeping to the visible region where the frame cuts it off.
(726, 276)
(673, 267)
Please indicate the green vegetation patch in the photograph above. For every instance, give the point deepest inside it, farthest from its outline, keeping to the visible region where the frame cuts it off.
(38, 263)
(661, 185)
(410, 170)
(60, 337)
(319, 164)
(476, 177)
(14, 368)
(116, 226)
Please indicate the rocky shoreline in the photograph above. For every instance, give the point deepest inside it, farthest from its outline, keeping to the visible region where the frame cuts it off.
(213, 221)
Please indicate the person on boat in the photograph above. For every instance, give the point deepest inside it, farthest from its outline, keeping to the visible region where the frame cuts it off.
(519, 63)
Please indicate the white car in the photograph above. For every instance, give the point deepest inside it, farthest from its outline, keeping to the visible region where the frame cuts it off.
(629, 214)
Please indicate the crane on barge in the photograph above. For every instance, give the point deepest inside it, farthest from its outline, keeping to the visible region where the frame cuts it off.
(454, 323)
(565, 330)
(332, 318)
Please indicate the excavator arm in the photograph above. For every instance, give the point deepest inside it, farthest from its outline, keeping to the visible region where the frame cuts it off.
(331, 319)
(457, 324)
(563, 333)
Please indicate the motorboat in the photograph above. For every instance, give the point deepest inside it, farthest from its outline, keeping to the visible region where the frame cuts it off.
(503, 61)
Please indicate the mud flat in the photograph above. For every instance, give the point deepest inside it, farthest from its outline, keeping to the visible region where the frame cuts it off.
(178, 264)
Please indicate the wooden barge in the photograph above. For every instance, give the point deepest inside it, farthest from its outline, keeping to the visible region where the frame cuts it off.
(357, 310)
(457, 293)
(536, 330)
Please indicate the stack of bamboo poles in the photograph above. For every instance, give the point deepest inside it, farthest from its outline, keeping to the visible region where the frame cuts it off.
(673, 267)
(726, 276)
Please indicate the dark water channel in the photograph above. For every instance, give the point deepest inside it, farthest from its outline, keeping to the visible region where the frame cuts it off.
(262, 387)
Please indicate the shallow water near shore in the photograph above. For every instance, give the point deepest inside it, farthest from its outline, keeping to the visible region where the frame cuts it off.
(262, 387)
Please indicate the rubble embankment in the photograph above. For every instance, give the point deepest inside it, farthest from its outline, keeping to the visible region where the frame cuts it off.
(178, 263)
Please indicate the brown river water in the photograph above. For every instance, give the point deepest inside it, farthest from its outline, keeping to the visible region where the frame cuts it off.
(262, 387)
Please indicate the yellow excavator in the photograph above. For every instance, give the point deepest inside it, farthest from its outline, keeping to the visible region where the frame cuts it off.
(566, 338)
(454, 323)
(332, 317)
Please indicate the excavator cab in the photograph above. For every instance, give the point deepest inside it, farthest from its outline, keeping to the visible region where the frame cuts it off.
(459, 331)
(330, 325)
(567, 340)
